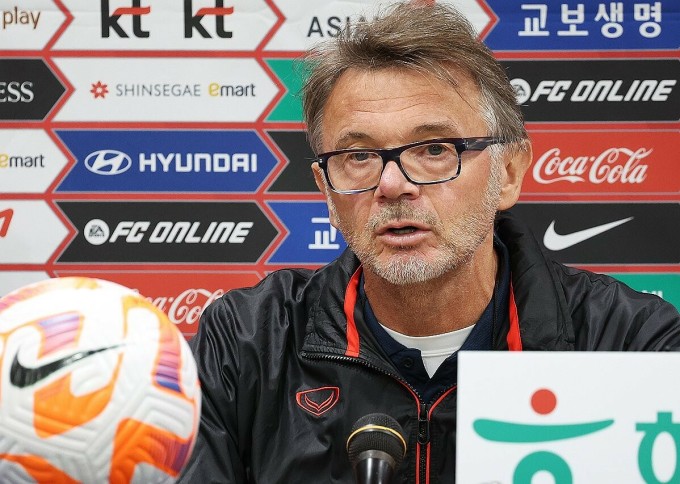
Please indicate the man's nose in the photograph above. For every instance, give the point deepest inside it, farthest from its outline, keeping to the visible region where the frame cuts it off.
(393, 184)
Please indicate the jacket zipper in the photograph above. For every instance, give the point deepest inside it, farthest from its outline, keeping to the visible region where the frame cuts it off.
(423, 441)
(423, 416)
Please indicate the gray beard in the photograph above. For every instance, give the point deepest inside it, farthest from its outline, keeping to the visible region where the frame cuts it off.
(461, 240)
(411, 269)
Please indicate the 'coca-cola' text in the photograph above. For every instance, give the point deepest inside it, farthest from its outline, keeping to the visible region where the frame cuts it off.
(614, 165)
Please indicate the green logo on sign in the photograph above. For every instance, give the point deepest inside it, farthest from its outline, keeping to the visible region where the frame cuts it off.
(543, 402)
(291, 73)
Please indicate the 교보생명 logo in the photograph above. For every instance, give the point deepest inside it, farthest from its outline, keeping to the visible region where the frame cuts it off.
(311, 237)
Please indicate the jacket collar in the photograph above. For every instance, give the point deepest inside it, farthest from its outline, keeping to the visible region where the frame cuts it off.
(544, 320)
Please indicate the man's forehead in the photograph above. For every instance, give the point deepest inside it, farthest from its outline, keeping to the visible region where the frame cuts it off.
(450, 75)
(420, 105)
(430, 129)
(366, 89)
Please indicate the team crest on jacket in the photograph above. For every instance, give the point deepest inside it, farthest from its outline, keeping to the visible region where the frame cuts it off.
(318, 401)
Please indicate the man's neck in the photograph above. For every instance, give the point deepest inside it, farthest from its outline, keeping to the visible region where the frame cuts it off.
(453, 301)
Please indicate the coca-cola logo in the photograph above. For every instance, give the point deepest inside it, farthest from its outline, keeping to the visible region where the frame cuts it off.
(187, 307)
(613, 165)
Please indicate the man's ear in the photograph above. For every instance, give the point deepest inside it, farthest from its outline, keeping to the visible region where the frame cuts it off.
(318, 177)
(514, 168)
(323, 188)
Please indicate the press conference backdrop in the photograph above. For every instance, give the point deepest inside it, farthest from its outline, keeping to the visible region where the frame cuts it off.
(159, 143)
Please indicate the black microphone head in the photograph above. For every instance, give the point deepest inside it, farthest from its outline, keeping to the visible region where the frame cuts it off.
(376, 432)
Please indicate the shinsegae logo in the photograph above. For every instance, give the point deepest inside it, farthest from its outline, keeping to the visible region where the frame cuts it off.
(543, 402)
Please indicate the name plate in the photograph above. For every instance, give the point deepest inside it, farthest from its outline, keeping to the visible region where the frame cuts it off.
(568, 417)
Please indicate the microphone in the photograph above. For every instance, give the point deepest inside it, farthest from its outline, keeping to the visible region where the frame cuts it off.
(376, 447)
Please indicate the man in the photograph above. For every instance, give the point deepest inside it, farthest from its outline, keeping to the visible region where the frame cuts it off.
(420, 144)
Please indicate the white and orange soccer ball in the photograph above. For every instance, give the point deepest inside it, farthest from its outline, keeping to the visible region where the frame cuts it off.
(96, 386)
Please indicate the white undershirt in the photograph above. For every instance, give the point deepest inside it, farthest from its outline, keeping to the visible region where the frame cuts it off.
(434, 349)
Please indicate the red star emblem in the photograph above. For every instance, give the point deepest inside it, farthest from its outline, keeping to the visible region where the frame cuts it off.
(99, 90)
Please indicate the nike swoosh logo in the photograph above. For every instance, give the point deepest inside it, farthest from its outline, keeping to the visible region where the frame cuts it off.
(22, 376)
(554, 241)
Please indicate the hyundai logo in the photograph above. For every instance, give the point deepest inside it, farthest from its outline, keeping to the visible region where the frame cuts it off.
(108, 162)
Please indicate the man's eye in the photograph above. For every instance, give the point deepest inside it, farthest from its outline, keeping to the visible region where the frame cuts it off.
(435, 150)
(360, 156)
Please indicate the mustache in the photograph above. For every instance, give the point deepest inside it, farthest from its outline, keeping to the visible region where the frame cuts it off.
(401, 210)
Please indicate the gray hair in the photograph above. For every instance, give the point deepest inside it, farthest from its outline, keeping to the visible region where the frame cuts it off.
(425, 38)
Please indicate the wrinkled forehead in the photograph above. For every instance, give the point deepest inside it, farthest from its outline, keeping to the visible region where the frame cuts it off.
(446, 77)
(395, 99)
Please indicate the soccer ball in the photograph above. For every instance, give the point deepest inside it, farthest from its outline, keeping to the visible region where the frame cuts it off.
(96, 386)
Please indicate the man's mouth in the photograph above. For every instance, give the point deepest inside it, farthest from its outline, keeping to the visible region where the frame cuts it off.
(404, 227)
(402, 230)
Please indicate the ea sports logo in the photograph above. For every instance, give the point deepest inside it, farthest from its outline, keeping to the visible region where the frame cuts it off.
(522, 90)
(96, 232)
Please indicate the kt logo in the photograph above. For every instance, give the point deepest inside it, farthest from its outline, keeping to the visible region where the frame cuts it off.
(110, 20)
(5, 218)
(192, 21)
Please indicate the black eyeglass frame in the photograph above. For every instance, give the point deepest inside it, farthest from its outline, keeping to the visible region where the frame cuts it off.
(393, 154)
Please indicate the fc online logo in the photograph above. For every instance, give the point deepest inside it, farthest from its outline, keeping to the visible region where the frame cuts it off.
(108, 162)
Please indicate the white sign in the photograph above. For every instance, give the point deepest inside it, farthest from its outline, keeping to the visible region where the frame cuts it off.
(180, 89)
(29, 161)
(310, 21)
(12, 280)
(189, 25)
(30, 232)
(28, 24)
(573, 417)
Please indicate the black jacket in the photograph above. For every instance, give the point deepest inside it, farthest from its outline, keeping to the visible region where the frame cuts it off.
(286, 370)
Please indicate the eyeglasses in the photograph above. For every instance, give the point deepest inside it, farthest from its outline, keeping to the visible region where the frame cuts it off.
(427, 162)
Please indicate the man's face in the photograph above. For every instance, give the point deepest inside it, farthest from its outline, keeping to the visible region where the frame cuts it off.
(407, 233)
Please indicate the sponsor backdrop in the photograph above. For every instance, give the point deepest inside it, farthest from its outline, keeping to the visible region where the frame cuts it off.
(159, 143)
